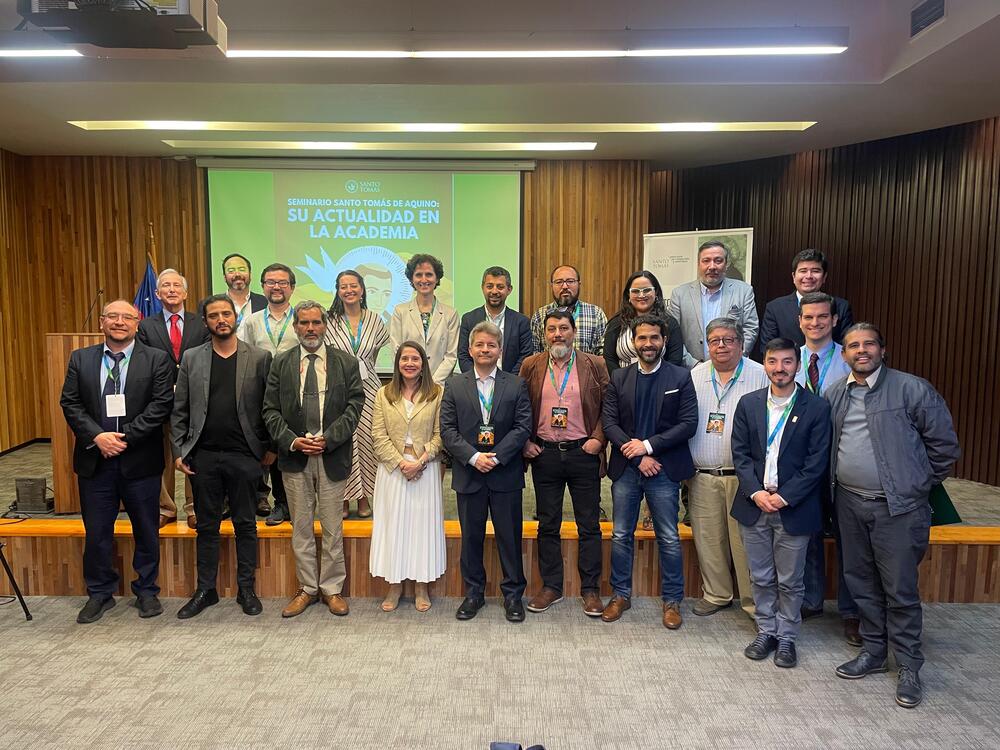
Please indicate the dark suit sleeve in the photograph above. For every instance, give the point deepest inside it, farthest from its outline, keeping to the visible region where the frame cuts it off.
(808, 480)
(513, 442)
(742, 456)
(281, 434)
(769, 325)
(142, 334)
(263, 368)
(609, 416)
(675, 343)
(525, 346)
(687, 420)
(84, 426)
(464, 358)
(611, 334)
(344, 425)
(845, 319)
(157, 411)
(181, 415)
(451, 435)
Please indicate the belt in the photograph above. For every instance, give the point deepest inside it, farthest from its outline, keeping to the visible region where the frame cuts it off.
(563, 445)
(718, 472)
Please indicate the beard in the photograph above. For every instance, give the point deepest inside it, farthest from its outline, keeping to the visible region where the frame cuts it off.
(560, 351)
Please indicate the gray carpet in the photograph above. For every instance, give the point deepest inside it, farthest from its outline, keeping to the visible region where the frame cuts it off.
(406, 680)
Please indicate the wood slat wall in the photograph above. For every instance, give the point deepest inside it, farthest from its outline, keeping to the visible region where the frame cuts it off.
(911, 226)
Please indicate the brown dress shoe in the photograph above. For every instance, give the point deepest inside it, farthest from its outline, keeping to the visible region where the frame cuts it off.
(299, 602)
(192, 521)
(337, 604)
(615, 608)
(592, 604)
(544, 599)
(164, 520)
(852, 632)
(672, 615)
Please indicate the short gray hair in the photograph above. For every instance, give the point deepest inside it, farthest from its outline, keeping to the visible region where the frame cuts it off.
(484, 326)
(309, 304)
(731, 324)
(174, 271)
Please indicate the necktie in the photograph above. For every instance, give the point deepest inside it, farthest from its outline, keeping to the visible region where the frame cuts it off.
(814, 372)
(310, 397)
(110, 424)
(175, 336)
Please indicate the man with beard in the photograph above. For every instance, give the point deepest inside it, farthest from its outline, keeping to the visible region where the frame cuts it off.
(312, 406)
(515, 327)
(567, 449)
(650, 412)
(781, 439)
(711, 296)
(116, 398)
(236, 270)
(590, 320)
(893, 441)
(219, 440)
(267, 329)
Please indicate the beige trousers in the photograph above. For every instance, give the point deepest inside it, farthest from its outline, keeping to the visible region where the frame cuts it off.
(168, 482)
(717, 539)
(311, 496)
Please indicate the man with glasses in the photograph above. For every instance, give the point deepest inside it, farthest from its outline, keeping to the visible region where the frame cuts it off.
(236, 271)
(270, 329)
(116, 398)
(590, 319)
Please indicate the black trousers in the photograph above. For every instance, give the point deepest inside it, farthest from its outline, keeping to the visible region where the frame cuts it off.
(881, 557)
(277, 485)
(551, 472)
(218, 476)
(504, 508)
(100, 497)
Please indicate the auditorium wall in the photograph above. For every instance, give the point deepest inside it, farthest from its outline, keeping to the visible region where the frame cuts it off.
(911, 226)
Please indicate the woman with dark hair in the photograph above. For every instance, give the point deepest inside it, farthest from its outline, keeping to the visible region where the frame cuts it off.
(641, 296)
(408, 528)
(426, 319)
(361, 333)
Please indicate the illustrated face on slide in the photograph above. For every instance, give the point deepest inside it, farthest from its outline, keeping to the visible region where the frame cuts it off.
(379, 290)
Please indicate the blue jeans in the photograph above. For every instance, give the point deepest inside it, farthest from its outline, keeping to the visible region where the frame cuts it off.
(662, 497)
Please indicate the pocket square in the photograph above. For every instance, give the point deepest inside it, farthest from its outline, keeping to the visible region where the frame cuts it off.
(667, 393)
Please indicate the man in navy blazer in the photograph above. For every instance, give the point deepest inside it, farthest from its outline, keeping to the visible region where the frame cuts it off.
(781, 315)
(650, 412)
(485, 422)
(116, 398)
(515, 327)
(781, 446)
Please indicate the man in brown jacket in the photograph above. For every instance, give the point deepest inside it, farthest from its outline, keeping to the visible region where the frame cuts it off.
(566, 387)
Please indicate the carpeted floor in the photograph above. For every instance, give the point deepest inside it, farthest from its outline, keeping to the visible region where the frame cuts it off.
(406, 680)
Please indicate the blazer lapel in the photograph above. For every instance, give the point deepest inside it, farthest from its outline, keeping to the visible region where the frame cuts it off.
(499, 385)
(626, 410)
(695, 291)
(164, 333)
(329, 381)
(242, 363)
(660, 385)
(792, 422)
(762, 419)
(94, 364)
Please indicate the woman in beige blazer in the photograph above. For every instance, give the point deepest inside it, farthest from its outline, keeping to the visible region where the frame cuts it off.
(408, 524)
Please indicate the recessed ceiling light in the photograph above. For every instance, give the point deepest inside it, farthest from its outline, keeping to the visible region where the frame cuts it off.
(381, 146)
(441, 127)
(39, 53)
(484, 54)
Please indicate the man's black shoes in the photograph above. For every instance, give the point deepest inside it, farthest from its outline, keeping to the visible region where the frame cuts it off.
(470, 607)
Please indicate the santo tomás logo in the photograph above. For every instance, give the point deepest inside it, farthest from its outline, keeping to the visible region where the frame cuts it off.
(363, 186)
(351, 186)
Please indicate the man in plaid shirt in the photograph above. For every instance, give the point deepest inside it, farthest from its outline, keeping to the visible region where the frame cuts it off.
(590, 319)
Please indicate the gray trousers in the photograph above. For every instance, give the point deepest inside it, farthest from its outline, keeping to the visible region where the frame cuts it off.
(881, 557)
(777, 564)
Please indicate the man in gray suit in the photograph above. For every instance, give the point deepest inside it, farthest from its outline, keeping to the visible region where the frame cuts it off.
(220, 442)
(712, 296)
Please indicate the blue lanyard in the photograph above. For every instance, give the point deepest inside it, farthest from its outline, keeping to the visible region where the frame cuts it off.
(281, 333)
(560, 389)
(822, 375)
(487, 405)
(781, 422)
(727, 387)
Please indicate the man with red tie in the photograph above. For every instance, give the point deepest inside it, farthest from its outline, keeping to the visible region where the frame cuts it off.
(174, 331)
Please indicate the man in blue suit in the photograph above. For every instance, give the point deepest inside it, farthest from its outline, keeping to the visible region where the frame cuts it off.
(515, 327)
(781, 444)
(650, 412)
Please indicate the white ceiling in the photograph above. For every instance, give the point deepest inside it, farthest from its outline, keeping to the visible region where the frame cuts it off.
(883, 85)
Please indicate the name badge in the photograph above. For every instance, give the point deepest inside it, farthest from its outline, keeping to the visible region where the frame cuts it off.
(486, 437)
(560, 417)
(115, 405)
(716, 423)
(363, 368)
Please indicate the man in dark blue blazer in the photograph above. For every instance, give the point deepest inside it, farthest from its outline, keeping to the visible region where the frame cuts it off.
(781, 315)
(516, 328)
(485, 422)
(116, 398)
(781, 446)
(650, 412)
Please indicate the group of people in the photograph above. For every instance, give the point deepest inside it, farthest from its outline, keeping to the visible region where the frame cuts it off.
(821, 437)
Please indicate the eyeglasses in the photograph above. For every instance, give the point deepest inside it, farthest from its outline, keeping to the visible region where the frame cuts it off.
(240, 269)
(280, 284)
(129, 317)
(727, 340)
(565, 282)
(642, 292)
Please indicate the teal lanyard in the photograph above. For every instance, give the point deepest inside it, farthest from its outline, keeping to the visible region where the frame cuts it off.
(355, 342)
(781, 422)
(560, 389)
(822, 375)
(121, 366)
(281, 333)
(727, 387)
(487, 404)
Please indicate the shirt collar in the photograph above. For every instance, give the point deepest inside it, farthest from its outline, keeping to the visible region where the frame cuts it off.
(706, 292)
(651, 372)
(870, 381)
(321, 352)
(127, 351)
(270, 313)
(167, 315)
(806, 351)
(493, 319)
(492, 375)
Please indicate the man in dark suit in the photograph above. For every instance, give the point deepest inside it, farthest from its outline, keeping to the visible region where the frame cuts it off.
(174, 332)
(781, 446)
(311, 407)
(116, 399)
(515, 327)
(781, 315)
(650, 412)
(220, 441)
(485, 421)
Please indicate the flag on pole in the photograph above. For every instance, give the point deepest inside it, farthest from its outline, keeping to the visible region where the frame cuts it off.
(146, 301)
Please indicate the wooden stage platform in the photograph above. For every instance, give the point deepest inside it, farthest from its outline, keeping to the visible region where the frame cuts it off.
(962, 564)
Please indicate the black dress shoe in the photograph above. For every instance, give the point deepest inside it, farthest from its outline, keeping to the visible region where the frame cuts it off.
(760, 647)
(852, 633)
(514, 609)
(785, 656)
(263, 507)
(909, 692)
(278, 515)
(94, 609)
(864, 664)
(469, 607)
(202, 598)
(247, 599)
(148, 606)
(808, 613)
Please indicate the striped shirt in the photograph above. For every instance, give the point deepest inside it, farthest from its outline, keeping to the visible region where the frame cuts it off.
(712, 450)
(590, 324)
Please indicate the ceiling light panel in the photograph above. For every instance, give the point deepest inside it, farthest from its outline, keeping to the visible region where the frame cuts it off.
(439, 127)
(379, 146)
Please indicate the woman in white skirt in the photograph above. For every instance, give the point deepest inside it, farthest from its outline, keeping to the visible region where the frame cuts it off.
(408, 526)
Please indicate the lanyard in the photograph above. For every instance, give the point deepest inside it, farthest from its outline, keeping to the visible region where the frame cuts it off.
(781, 422)
(242, 313)
(355, 342)
(822, 374)
(727, 387)
(427, 321)
(281, 333)
(121, 366)
(487, 404)
(559, 389)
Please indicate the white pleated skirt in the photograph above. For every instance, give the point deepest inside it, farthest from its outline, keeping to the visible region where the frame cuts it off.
(408, 526)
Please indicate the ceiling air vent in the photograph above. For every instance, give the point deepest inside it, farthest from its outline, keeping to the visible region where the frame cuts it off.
(924, 15)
